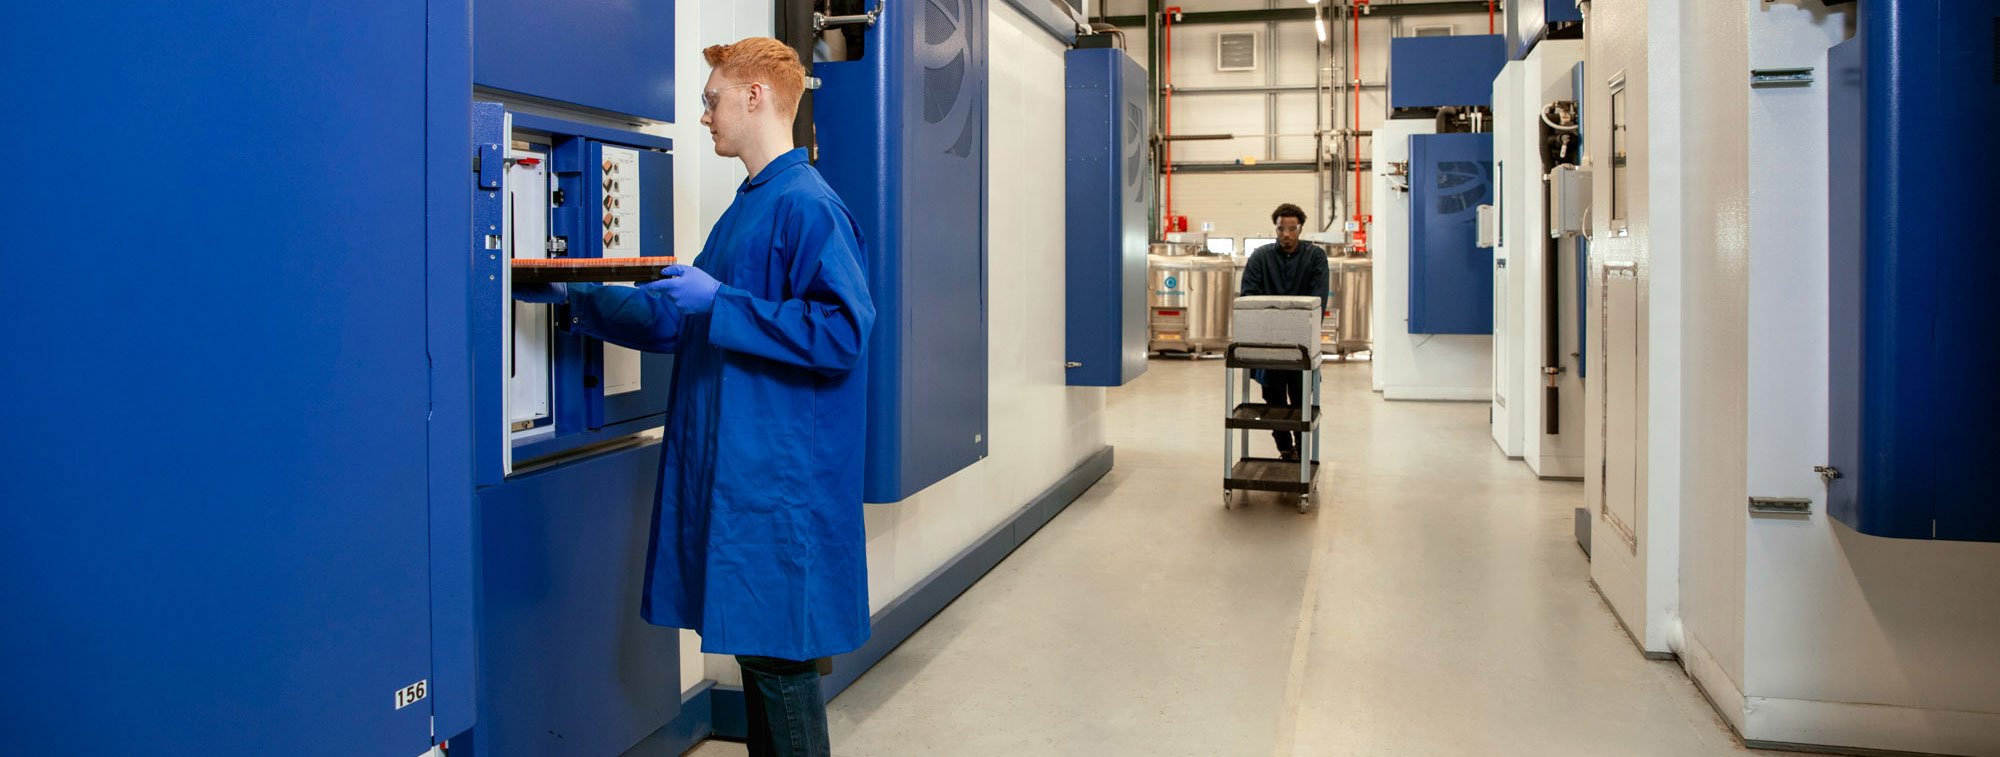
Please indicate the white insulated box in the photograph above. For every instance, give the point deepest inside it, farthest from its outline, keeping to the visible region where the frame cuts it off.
(1277, 320)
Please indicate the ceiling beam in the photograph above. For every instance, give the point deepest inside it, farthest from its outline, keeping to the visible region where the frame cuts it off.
(1451, 7)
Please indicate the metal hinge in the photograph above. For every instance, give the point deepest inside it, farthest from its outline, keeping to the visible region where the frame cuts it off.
(1798, 76)
(1780, 506)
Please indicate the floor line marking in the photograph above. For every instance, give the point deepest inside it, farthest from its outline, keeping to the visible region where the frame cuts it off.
(1295, 678)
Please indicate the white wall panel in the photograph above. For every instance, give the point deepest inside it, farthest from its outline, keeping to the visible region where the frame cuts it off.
(1414, 366)
(1514, 137)
(1917, 623)
(1631, 41)
(1240, 204)
(1547, 77)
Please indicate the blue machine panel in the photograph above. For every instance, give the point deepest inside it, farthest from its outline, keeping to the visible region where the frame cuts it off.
(613, 55)
(214, 519)
(566, 665)
(1109, 174)
(1451, 276)
(1433, 72)
(1528, 21)
(1913, 415)
(902, 139)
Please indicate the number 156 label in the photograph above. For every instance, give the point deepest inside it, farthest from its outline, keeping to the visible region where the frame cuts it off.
(413, 693)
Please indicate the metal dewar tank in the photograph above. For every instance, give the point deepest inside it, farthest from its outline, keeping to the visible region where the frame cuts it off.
(1352, 283)
(1189, 301)
(1167, 302)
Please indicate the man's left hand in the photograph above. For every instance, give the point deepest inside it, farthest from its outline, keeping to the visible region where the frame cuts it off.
(691, 289)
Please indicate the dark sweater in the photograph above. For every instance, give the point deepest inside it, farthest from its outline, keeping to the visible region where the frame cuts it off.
(1299, 273)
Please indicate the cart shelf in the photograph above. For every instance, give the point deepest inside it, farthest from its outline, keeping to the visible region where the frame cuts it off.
(1261, 417)
(1269, 474)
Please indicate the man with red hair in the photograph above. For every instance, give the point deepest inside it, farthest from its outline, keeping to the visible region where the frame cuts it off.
(757, 541)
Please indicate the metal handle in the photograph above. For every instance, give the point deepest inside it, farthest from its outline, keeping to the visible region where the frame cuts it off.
(821, 21)
(1304, 359)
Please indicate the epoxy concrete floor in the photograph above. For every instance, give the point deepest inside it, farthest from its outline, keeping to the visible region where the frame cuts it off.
(1434, 604)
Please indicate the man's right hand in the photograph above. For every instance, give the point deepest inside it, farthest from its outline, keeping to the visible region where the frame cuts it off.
(544, 294)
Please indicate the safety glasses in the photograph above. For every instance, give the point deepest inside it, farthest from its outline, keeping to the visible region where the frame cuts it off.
(709, 98)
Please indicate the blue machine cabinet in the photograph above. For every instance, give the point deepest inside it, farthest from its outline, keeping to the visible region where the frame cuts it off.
(1433, 72)
(266, 505)
(215, 521)
(1451, 276)
(902, 139)
(1913, 417)
(1108, 177)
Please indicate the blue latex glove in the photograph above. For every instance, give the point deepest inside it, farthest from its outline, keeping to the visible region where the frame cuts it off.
(691, 289)
(545, 294)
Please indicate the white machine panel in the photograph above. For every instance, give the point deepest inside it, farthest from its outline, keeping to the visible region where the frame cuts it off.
(1489, 227)
(621, 202)
(1569, 196)
(528, 361)
(621, 239)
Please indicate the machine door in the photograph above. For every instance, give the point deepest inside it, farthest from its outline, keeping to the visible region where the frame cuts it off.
(1451, 276)
(1619, 497)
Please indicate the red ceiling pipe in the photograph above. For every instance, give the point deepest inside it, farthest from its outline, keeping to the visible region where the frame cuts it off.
(1489, 16)
(1354, 114)
(1167, 118)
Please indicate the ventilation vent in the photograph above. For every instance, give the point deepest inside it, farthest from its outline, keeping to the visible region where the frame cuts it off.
(941, 87)
(1135, 147)
(1461, 185)
(946, 58)
(1236, 51)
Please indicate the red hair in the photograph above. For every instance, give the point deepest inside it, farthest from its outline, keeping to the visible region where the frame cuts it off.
(766, 61)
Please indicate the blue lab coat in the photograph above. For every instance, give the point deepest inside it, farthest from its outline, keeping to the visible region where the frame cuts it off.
(757, 535)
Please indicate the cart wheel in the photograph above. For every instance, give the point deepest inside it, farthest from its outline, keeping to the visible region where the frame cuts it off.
(1305, 504)
(1225, 499)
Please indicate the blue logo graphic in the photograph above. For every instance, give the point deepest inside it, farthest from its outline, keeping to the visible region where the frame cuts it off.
(1173, 283)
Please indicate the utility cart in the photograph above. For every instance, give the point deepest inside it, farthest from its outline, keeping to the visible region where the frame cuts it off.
(1274, 334)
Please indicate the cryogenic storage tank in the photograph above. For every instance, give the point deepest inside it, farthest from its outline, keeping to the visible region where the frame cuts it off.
(1352, 283)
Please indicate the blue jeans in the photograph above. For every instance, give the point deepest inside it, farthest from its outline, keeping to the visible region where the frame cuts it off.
(786, 712)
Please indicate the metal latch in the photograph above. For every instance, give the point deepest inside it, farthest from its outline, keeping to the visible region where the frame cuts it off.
(1827, 473)
(1781, 77)
(1780, 506)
